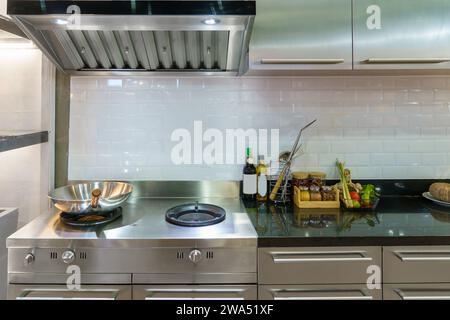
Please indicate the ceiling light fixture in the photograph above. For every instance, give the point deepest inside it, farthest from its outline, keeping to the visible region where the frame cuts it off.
(211, 21)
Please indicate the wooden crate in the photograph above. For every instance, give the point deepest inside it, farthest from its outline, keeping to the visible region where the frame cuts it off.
(315, 204)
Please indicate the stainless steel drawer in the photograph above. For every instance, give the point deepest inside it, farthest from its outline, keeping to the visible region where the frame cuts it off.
(194, 292)
(435, 291)
(416, 264)
(61, 292)
(318, 292)
(324, 265)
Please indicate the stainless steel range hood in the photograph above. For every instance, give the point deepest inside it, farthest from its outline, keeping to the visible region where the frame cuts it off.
(107, 37)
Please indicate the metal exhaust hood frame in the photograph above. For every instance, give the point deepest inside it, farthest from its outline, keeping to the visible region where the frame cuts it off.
(7, 25)
(140, 37)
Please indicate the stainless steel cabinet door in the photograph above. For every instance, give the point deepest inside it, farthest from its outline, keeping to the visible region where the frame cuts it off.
(302, 34)
(318, 292)
(61, 292)
(194, 292)
(437, 291)
(323, 265)
(401, 34)
(416, 264)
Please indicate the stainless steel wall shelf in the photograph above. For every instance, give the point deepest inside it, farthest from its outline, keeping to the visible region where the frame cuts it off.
(10, 140)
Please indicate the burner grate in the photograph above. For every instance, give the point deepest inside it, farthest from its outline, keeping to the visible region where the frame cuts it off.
(195, 215)
(91, 219)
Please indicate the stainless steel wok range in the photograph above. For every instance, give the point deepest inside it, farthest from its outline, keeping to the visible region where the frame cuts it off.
(143, 254)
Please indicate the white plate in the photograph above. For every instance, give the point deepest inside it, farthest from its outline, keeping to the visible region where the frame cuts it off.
(430, 197)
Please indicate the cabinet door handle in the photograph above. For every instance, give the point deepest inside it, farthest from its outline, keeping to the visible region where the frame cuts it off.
(405, 60)
(415, 256)
(301, 61)
(320, 256)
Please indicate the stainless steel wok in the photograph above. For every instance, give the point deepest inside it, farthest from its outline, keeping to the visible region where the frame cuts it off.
(91, 196)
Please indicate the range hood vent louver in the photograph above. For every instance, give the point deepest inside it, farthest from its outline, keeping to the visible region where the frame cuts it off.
(179, 36)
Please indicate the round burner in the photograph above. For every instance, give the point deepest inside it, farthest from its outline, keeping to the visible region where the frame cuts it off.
(90, 219)
(195, 215)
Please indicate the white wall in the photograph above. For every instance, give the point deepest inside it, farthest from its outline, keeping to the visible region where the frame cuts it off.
(383, 127)
(26, 103)
(3, 4)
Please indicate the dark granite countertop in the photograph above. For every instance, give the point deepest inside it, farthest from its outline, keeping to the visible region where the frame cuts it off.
(398, 220)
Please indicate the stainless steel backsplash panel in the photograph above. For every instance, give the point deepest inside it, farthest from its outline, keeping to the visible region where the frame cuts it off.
(183, 189)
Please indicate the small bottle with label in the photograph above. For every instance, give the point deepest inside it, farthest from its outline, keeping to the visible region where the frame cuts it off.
(261, 177)
(249, 184)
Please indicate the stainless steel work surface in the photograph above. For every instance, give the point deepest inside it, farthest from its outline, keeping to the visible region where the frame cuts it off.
(142, 225)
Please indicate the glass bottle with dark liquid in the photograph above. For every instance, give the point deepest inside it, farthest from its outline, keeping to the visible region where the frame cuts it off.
(249, 184)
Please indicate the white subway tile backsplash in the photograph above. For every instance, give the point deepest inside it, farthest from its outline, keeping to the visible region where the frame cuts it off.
(408, 159)
(423, 146)
(357, 159)
(421, 120)
(382, 159)
(395, 146)
(435, 159)
(434, 132)
(433, 83)
(420, 95)
(383, 127)
(442, 95)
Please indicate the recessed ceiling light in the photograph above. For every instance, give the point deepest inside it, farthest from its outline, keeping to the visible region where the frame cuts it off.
(211, 21)
(61, 22)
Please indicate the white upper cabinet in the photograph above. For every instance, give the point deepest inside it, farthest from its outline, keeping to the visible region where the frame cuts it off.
(401, 34)
(302, 35)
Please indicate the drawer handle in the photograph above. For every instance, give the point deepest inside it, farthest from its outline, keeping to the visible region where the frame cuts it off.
(320, 256)
(405, 60)
(190, 298)
(426, 295)
(67, 294)
(417, 256)
(318, 295)
(325, 298)
(301, 61)
(207, 294)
